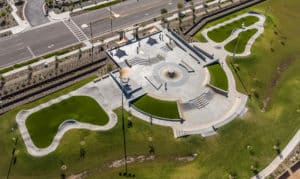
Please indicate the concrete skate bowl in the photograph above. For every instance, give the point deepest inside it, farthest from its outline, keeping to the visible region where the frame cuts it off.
(77, 112)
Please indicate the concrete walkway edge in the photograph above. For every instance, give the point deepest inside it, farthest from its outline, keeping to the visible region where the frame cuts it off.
(279, 159)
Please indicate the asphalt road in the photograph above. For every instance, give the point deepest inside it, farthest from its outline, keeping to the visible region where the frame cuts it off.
(41, 40)
(34, 43)
(129, 12)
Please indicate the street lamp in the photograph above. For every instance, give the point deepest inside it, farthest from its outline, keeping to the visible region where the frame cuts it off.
(112, 15)
(84, 26)
(91, 31)
(124, 78)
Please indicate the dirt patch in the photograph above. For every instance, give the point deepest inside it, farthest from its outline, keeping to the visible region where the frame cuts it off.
(138, 159)
(121, 163)
(186, 159)
(78, 176)
(276, 78)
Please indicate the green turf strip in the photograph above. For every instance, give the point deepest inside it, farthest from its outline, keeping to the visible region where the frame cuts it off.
(43, 125)
(218, 76)
(165, 109)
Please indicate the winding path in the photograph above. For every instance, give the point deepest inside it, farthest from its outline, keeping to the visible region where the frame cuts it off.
(258, 25)
(87, 90)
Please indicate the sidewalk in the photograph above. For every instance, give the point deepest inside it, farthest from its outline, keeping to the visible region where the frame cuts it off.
(278, 160)
(66, 15)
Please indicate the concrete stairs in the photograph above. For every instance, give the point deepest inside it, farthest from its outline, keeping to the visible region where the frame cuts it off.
(200, 101)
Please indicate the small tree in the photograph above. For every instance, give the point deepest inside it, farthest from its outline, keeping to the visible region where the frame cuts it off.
(79, 53)
(163, 12)
(56, 62)
(2, 81)
(30, 71)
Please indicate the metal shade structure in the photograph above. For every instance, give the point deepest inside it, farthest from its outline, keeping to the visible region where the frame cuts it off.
(120, 53)
(151, 41)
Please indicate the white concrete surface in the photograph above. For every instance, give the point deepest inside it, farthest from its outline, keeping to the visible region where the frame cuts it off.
(217, 113)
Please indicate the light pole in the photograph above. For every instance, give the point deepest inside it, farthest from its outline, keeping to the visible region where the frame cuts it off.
(91, 32)
(110, 14)
(124, 79)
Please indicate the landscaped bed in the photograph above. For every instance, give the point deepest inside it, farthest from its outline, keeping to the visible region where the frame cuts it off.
(164, 109)
(243, 39)
(218, 76)
(6, 19)
(43, 125)
(222, 33)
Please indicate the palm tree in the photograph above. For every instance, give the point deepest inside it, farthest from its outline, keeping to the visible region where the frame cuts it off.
(137, 31)
(204, 5)
(276, 148)
(193, 11)
(180, 6)
(30, 71)
(2, 81)
(56, 62)
(79, 53)
(163, 12)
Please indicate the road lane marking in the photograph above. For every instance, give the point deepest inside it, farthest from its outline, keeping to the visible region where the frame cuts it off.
(115, 15)
(50, 46)
(31, 52)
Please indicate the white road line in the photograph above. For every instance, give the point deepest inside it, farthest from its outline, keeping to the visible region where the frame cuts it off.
(113, 13)
(31, 52)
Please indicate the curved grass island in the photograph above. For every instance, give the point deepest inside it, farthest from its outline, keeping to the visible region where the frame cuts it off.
(156, 107)
(243, 39)
(44, 124)
(222, 33)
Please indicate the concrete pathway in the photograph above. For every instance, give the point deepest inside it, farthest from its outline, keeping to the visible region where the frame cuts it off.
(258, 25)
(88, 90)
(279, 159)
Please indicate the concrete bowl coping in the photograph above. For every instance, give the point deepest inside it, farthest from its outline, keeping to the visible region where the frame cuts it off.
(23, 115)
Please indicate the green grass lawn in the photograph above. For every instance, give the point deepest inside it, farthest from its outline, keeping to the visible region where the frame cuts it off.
(243, 40)
(43, 125)
(165, 109)
(218, 155)
(218, 76)
(222, 33)
(199, 37)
